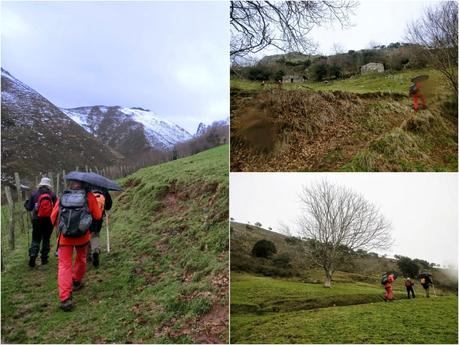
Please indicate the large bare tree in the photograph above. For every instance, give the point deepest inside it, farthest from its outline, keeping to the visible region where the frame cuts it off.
(256, 25)
(436, 31)
(338, 220)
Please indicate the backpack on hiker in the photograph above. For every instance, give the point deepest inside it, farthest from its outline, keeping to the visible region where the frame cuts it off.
(44, 205)
(413, 89)
(384, 278)
(74, 215)
(423, 280)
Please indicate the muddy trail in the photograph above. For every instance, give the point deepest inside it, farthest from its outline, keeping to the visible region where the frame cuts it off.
(296, 130)
(165, 279)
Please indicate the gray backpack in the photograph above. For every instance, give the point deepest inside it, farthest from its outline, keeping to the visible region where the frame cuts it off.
(74, 215)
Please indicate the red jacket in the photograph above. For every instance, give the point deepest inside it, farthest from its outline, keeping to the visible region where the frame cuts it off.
(390, 280)
(96, 213)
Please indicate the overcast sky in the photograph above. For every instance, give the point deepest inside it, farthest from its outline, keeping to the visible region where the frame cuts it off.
(169, 57)
(422, 207)
(382, 22)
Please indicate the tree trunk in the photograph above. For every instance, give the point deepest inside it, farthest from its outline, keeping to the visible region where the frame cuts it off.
(328, 278)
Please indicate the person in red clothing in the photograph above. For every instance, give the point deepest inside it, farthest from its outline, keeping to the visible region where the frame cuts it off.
(71, 278)
(389, 295)
(417, 94)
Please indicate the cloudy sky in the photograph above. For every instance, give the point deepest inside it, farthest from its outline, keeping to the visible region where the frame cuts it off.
(422, 207)
(381, 22)
(169, 57)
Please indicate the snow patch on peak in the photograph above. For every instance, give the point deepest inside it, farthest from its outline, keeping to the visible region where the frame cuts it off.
(166, 132)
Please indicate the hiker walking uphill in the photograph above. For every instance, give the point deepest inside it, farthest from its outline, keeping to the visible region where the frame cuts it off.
(409, 287)
(41, 204)
(387, 279)
(104, 201)
(73, 215)
(426, 281)
(416, 91)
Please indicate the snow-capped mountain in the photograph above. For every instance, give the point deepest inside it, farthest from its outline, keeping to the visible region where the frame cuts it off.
(117, 126)
(37, 136)
(202, 128)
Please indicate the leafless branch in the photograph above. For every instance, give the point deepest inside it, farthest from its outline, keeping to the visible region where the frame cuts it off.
(285, 25)
(437, 32)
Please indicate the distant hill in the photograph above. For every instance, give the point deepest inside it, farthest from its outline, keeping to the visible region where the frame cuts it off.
(37, 136)
(361, 267)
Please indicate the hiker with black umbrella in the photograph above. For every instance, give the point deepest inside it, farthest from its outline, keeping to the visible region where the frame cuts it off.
(426, 280)
(73, 215)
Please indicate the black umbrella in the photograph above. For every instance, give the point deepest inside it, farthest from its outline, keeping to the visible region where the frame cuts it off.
(93, 179)
(425, 274)
(420, 78)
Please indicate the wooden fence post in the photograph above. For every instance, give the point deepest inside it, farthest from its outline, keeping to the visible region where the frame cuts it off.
(19, 212)
(9, 198)
(64, 182)
(57, 184)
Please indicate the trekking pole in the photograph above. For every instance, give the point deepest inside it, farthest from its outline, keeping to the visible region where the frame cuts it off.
(108, 236)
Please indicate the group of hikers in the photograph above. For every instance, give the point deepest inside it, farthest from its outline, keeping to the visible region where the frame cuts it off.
(389, 277)
(78, 216)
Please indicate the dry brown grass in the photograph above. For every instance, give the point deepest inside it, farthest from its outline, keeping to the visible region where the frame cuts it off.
(295, 130)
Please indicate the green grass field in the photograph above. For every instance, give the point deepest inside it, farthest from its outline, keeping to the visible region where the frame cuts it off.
(269, 310)
(398, 82)
(165, 279)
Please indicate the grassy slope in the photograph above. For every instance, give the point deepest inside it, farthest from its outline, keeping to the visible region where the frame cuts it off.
(165, 279)
(305, 316)
(417, 142)
(387, 82)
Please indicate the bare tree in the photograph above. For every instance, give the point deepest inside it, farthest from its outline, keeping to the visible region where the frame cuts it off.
(285, 25)
(338, 221)
(436, 31)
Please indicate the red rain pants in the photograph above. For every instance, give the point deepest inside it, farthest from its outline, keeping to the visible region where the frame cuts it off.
(416, 96)
(389, 294)
(66, 274)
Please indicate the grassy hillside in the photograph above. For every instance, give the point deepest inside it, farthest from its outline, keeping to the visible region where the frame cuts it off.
(385, 82)
(364, 123)
(165, 279)
(363, 268)
(416, 321)
(279, 304)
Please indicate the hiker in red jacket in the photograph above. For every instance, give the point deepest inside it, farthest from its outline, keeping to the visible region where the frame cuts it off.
(389, 295)
(71, 278)
(416, 92)
(41, 204)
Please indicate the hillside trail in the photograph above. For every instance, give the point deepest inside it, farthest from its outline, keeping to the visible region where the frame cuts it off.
(35, 298)
(323, 131)
(165, 279)
(298, 304)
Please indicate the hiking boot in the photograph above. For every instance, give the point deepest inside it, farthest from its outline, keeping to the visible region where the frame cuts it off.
(77, 285)
(32, 261)
(95, 260)
(44, 261)
(66, 305)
